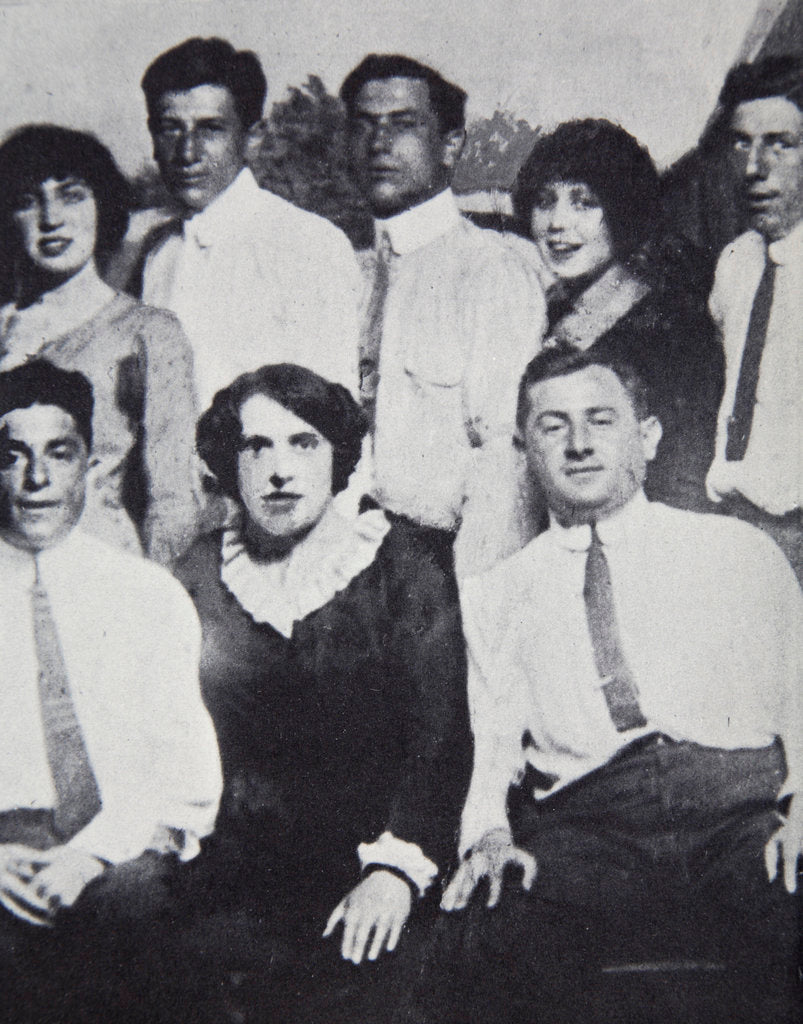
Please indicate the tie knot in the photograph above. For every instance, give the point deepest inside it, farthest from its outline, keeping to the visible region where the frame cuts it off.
(38, 584)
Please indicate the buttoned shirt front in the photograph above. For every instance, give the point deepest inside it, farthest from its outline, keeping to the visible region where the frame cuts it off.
(464, 314)
(771, 473)
(131, 644)
(256, 280)
(711, 624)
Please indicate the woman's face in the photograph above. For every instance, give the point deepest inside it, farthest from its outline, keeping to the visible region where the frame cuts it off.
(284, 470)
(57, 223)
(568, 226)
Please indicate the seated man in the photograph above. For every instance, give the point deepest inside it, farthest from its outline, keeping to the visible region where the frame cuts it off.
(109, 774)
(634, 674)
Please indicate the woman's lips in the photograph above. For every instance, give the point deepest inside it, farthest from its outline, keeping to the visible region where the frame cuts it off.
(54, 246)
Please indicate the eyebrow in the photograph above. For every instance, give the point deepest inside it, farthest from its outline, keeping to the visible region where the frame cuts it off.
(396, 112)
(61, 442)
(777, 136)
(593, 410)
(251, 438)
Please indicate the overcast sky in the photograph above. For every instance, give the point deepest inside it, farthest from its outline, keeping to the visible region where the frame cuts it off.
(653, 65)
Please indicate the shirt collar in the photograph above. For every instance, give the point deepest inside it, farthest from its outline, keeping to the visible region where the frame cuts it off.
(414, 228)
(788, 249)
(18, 564)
(213, 222)
(612, 531)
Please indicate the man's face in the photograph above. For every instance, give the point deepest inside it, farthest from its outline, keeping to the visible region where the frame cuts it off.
(399, 156)
(199, 143)
(585, 445)
(43, 464)
(767, 155)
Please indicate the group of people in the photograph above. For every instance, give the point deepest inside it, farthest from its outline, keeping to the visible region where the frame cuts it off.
(457, 607)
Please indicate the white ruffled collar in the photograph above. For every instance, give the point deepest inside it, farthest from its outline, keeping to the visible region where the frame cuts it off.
(322, 564)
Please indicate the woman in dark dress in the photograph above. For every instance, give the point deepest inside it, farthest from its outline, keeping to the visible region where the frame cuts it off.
(333, 667)
(588, 194)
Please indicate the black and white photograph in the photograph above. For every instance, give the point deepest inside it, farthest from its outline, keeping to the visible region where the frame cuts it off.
(401, 512)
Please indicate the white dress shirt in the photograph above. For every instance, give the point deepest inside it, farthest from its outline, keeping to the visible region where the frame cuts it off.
(711, 624)
(255, 280)
(131, 644)
(464, 314)
(771, 473)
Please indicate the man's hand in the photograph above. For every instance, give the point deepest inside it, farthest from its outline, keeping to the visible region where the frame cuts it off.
(787, 844)
(379, 905)
(488, 859)
(36, 884)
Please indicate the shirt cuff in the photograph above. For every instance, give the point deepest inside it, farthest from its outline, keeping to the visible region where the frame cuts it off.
(404, 856)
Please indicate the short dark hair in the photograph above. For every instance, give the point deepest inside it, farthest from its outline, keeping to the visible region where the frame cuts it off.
(36, 152)
(448, 101)
(561, 360)
(615, 166)
(772, 76)
(213, 61)
(41, 383)
(326, 406)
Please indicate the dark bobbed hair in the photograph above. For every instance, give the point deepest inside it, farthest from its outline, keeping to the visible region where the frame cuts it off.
(772, 76)
(615, 166)
(36, 152)
(327, 407)
(561, 360)
(41, 383)
(448, 101)
(212, 61)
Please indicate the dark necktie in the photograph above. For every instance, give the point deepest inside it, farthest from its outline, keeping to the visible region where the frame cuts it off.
(77, 796)
(618, 686)
(371, 338)
(741, 419)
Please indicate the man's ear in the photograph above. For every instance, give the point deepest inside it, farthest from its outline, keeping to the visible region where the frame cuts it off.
(518, 441)
(254, 137)
(453, 143)
(651, 434)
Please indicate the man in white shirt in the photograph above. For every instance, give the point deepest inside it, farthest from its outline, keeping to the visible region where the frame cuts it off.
(452, 316)
(634, 675)
(252, 278)
(110, 772)
(757, 301)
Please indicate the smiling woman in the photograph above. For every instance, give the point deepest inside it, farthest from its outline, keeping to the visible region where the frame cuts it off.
(63, 209)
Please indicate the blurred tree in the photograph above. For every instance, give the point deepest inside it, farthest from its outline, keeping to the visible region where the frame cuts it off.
(495, 149)
(302, 157)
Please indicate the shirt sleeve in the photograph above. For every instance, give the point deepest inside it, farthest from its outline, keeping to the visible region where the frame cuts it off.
(337, 285)
(170, 414)
(507, 322)
(164, 789)
(496, 723)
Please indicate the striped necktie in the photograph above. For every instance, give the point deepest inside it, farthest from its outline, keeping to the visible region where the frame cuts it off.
(618, 684)
(77, 796)
(371, 339)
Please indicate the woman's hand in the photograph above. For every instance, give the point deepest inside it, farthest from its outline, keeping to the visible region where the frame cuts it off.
(378, 906)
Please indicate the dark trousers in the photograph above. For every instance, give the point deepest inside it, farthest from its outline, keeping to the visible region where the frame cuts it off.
(106, 959)
(657, 855)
